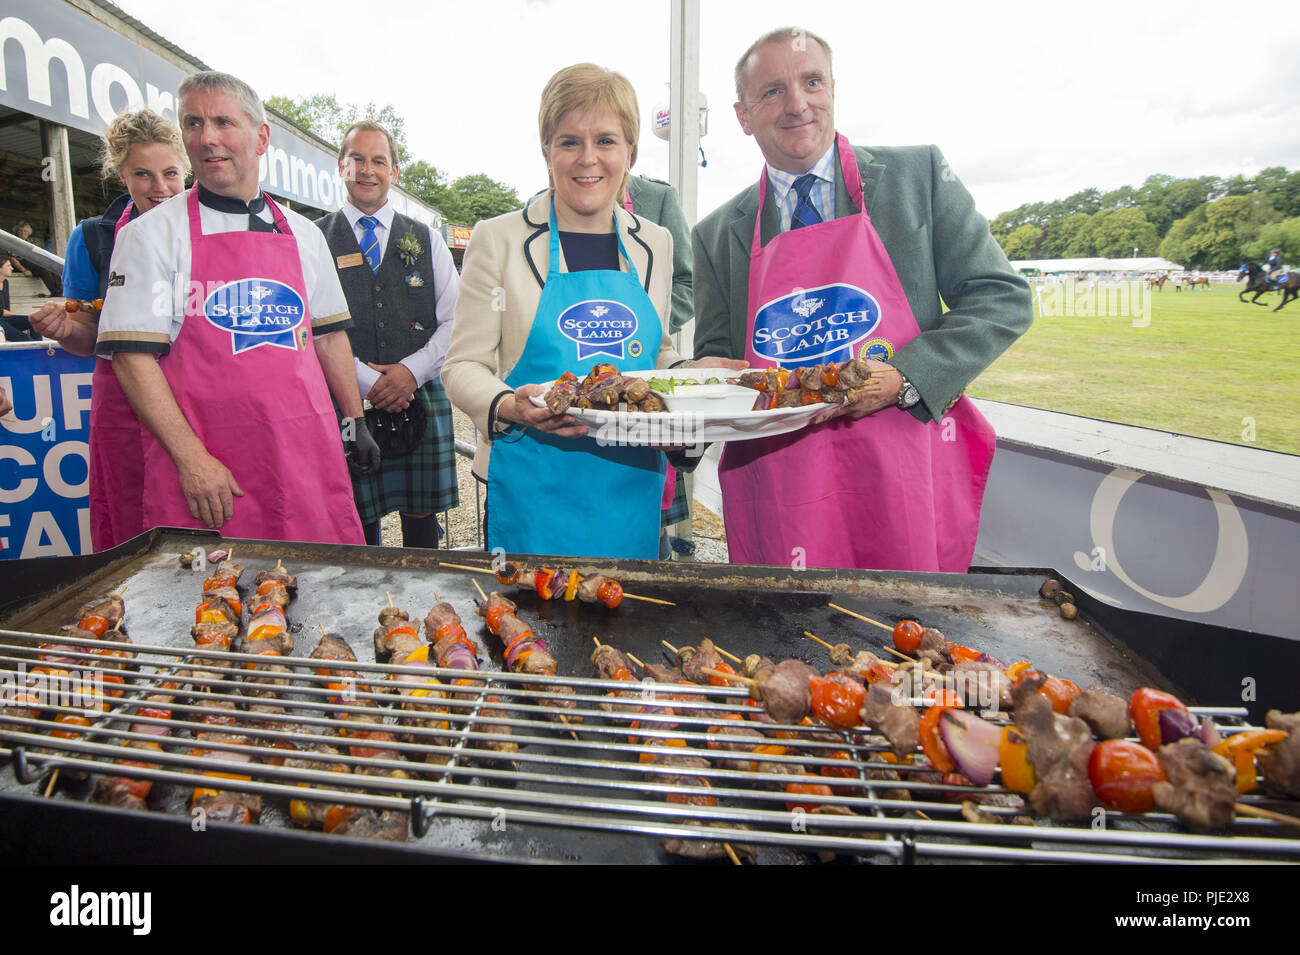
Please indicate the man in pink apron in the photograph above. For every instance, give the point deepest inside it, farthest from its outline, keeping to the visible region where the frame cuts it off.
(222, 329)
(840, 252)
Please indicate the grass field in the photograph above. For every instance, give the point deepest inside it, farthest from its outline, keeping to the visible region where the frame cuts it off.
(1206, 365)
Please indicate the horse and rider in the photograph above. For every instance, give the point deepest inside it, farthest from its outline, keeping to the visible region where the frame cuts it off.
(1269, 277)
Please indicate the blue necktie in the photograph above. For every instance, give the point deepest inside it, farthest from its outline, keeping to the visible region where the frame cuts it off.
(370, 242)
(805, 213)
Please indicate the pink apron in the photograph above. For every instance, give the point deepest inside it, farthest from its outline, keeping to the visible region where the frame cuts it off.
(670, 479)
(116, 458)
(245, 374)
(885, 491)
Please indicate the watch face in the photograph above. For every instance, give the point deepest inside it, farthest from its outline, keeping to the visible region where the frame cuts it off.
(908, 396)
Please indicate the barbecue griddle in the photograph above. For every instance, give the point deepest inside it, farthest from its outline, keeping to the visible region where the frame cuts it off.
(584, 799)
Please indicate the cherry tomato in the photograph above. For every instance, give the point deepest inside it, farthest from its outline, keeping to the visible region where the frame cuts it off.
(840, 772)
(1144, 706)
(72, 305)
(610, 593)
(1122, 774)
(1060, 692)
(907, 636)
(837, 700)
(694, 796)
(94, 624)
(960, 654)
(722, 667)
(806, 789)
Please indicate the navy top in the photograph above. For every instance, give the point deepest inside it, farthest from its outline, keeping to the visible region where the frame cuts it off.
(587, 251)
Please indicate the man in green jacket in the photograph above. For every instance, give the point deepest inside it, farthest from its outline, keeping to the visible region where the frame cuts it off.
(940, 247)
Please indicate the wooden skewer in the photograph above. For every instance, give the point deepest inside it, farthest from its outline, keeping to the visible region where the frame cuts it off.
(813, 636)
(635, 660)
(436, 598)
(852, 613)
(1247, 810)
(652, 600)
(322, 629)
(731, 854)
(731, 676)
(54, 778)
(730, 656)
(279, 565)
(671, 649)
(480, 590)
(489, 570)
(120, 590)
(477, 570)
(389, 594)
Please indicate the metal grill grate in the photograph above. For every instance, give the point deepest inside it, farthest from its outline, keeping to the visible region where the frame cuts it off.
(583, 775)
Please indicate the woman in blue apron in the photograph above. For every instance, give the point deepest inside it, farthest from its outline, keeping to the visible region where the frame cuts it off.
(571, 280)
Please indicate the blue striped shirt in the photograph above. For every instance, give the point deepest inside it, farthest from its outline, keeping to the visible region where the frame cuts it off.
(822, 193)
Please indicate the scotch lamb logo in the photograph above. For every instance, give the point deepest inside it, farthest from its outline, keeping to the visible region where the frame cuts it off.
(599, 327)
(815, 325)
(257, 312)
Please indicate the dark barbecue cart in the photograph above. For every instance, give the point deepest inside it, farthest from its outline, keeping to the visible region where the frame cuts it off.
(576, 791)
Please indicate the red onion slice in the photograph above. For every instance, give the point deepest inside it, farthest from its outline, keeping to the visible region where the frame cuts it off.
(972, 743)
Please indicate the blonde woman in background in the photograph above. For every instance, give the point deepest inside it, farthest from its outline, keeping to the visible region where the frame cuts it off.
(145, 152)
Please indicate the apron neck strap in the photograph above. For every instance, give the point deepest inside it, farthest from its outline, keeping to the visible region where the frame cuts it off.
(196, 229)
(554, 267)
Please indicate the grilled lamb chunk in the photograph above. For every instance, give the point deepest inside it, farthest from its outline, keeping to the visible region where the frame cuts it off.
(662, 674)
(609, 660)
(333, 647)
(588, 586)
(275, 594)
(280, 643)
(607, 392)
(1199, 786)
(228, 594)
(790, 398)
(898, 724)
(704, 657)
(222, 606)
(1105, 713)
(976, 680)
(495, 600)
(1059, 749)
(387, 826)
(785, 692)
(224, 629)
(231, 807)
(734, 738)
(114, 791)
(1279, 764)
(386, 640)
(934, 647)
(707, 849)
(651, 404)
(671, 761)
(111, 608)
(636, 389)
(811, 377)
(289, 581)
(441, 614)
(265, 687)
(562, 393)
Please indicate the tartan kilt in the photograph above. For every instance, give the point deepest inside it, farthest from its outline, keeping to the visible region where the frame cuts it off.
(425, 480)
(680, 509)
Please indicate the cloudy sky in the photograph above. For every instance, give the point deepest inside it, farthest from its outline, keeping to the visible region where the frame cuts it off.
(1029, 101)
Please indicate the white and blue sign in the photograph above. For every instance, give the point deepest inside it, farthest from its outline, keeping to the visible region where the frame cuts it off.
(45, 453)
(811, 326)
(599, 327)
(256, 312)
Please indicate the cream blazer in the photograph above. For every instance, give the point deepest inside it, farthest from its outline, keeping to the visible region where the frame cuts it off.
(500, 287)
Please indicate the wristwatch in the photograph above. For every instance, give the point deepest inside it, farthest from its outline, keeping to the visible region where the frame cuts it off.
(907, 395)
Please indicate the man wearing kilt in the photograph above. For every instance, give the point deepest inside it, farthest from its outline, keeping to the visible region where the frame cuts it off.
(401, 284)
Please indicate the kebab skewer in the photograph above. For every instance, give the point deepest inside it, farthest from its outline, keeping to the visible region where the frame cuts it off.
(553, 585)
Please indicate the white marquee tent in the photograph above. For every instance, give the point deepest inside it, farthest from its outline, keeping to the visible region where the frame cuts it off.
(1152, 264)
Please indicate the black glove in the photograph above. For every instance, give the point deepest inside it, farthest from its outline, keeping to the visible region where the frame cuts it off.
(359, 447)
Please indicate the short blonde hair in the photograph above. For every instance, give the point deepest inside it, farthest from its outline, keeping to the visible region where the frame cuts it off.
(134, 128)
(587, 87)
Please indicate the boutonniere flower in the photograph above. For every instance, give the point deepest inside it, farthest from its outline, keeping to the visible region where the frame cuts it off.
(409, 248)
(414, 281)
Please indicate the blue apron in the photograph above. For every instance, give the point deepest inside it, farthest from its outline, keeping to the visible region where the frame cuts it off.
(567, 496)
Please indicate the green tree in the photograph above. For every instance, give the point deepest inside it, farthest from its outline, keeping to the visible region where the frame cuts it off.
(325, 116)
(1174, 245)
(1020, 244)
(1065, 234)
(1231, 223)
(1116, 232)
(482, 197)
(429, 185)
(1284, 235)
